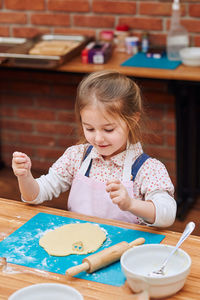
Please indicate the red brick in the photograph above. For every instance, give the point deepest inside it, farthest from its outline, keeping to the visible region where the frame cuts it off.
(66, 142)
(30, 87)
(12, 18)
(152, 8)
(152, 139)
(50, 19)
(48, 153)
(37, 140)
(192, 25)
(53, 128)
(35, 114)
(7, 111)
(9, 137)
(66, 116)
(41, 165)
(29, 32)
(4, 31)
(14, 100)
(114, 7)
(170, 126)
(7, 152)
(157, 39)
(154, 85)
(171, 113)
(94, 21)
(155, 126)
(64, 91)
(197, 41)
(194, 10)
(9, 149)
(155, 113)
(142, 23)
(61, 103)
(171, 140)
(87, 32)
(25, 4)
(69, 5)
(171, 167)
(16, 125)
(158, 98)
(161, 153)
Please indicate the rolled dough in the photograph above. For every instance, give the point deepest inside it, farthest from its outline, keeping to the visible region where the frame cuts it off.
(78, 238)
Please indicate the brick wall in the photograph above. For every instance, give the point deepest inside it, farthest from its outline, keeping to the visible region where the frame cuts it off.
(26, 18)
(37, 116)
(37, 107)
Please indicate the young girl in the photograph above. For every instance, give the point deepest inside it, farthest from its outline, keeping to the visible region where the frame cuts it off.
(109, 175)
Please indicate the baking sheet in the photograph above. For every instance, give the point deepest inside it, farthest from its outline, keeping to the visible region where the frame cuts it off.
(18, 54)
(22, 248)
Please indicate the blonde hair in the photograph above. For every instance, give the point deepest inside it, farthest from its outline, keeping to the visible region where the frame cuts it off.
(116, 94)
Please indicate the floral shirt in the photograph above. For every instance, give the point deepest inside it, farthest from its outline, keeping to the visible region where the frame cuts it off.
(151, 183)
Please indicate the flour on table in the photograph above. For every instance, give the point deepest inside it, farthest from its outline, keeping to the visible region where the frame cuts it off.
(79, 238)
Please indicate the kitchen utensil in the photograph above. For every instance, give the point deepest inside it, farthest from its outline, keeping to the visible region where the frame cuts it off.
(103, 258)
(190, 56)
(188, 229)
(47, 291)
(137, 263)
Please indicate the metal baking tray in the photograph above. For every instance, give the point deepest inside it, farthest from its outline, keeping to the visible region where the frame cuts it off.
(7, 43)
(15, 51)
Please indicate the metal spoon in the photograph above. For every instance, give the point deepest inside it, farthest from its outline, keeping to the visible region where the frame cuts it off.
(188, 229)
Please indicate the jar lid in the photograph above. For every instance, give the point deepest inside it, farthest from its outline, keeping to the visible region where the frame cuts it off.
(123, 27)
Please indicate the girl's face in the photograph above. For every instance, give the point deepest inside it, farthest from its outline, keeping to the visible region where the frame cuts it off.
(106, 133)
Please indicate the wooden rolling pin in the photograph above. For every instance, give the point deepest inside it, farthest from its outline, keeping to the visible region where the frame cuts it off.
(103, 258)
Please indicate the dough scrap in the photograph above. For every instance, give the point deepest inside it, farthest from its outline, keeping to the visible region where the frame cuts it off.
(78, 238)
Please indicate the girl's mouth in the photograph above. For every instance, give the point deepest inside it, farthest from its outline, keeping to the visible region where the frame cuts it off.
(102, 146)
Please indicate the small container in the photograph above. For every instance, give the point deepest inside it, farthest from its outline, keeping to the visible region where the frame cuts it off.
(107, 36)
(132, 43)
(100, 53)
(85, 53)
(145, 43)
(121, 32)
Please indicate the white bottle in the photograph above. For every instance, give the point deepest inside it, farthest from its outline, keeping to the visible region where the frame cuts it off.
(178, 36)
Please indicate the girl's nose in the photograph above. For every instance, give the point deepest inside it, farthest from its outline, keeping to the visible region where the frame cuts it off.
(98, 137)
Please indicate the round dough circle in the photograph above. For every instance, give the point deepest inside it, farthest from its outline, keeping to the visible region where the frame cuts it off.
(78, 238)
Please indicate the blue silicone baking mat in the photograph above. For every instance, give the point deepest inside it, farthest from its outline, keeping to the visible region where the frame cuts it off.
(22, 248)
(142, 61)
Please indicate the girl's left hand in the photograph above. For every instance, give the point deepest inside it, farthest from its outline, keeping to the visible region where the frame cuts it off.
(119, 194)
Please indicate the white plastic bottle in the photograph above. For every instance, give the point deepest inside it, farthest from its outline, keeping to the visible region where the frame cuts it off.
(177, 37)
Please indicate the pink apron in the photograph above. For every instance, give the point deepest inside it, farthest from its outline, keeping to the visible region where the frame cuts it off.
(88, 196)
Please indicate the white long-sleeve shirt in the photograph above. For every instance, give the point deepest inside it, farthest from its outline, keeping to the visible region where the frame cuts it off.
(152, 181)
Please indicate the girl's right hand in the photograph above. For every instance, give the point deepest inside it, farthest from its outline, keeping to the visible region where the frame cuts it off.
(21, 164)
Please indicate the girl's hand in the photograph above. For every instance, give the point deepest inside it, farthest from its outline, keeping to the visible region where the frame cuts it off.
(119, 194)
(21, 164)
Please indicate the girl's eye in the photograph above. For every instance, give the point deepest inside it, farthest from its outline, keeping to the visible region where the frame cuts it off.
(109, 130)
(89, 129)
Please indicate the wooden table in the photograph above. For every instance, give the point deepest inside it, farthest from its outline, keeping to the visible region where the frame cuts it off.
(14, 214)
(181, 73)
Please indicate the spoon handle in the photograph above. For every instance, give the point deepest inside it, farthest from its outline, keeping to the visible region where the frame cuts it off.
(188, 229)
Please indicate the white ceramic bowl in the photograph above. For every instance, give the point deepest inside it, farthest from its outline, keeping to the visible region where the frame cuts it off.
(139, 261)
(47, 291)
(190, 56)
